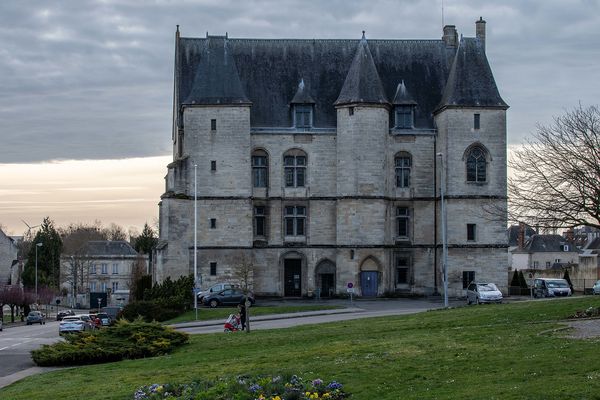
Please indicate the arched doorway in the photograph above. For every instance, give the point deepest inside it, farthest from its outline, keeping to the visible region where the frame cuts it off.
(369, 277)
(325, 278)
(293, 263)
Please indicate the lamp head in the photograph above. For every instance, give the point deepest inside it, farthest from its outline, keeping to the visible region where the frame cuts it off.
(39, 244)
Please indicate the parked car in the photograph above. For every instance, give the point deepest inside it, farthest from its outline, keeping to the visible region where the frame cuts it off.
(75, 323)
(1, 323)
(481, 292)
(226, 297)
(596, 287)
(548, 287)
(35, 317)
(64, 313)
(104, 318)
(216, 288)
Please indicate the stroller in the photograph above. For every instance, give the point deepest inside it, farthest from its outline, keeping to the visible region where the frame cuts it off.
(232, 324)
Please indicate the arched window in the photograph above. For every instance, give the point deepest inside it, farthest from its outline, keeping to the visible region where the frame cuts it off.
(260, 168)
(294, 164)
(476, 164)
(403, 163)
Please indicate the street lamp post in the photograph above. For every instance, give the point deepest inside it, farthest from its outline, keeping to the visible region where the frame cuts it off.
(36, 270)
(444, 239)
(195, 238)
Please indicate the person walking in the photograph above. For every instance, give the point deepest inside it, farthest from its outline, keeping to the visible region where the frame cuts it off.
(242, 310)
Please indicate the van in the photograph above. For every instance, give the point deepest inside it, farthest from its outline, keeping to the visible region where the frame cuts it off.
(548, 287)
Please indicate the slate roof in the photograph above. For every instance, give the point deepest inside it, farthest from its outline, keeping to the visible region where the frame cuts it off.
(110, 248)
(513, 234)
(302, 95)
(266, 73)
(545, 243)
(471, 82)
(362, 83)
(594, 244)
(402, 96)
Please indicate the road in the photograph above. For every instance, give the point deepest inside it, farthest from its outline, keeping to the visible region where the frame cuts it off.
(17, 342)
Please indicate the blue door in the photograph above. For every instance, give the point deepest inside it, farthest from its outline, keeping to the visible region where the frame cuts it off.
(368, 283)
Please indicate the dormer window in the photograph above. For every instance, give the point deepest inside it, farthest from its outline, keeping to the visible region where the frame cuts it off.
(404, 117)
(303, 116)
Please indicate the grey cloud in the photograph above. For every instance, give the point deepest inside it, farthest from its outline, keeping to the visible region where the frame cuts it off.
(93, 79)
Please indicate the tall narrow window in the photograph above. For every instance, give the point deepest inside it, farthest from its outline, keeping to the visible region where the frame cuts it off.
(471, 232)
(93, 269)
(295, 170)
(213, 223)
(303, 116)
(260, 164)
(476, 121)
(92, 286)
(213, 124)
(213, 268)
(402, 221)
(103, 287)
(403, 164)
(259, 221)
(468, 277)
(213, 165)
(476, 165)
(402, 269)
(350, 111)
(404, 117)
(115, 269)
(295, 219)
(105, 268)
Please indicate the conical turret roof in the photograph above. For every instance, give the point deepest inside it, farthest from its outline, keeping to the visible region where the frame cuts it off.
(217, 80)
(362, 84)
(471, 82)
(402, 96)
(302, 95)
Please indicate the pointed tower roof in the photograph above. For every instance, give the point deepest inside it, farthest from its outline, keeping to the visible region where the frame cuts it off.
(402, 97)
(217, 80)
(362, 84)
(302, 96)
(471, 82)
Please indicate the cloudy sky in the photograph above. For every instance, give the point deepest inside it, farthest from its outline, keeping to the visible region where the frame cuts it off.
(86, 86)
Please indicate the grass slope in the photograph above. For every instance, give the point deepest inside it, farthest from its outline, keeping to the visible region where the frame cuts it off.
(479, 352)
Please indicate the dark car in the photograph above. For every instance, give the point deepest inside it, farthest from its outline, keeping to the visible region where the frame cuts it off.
(227, 297)
(35, 317)
(64, 313)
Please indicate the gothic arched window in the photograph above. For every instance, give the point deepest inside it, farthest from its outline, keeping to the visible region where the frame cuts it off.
(476, 164)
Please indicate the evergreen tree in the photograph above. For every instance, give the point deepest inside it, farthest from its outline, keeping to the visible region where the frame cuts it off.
(48, 257)
(146, 241)
(522, 280)
(515, 279)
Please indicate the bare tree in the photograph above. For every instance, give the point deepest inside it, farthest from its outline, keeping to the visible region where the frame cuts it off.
(115, 232)
(243, 272)
(138, 271)
(556, 181)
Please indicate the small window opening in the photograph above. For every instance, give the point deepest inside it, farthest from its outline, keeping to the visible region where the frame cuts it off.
(350, 110)
(476, 121)
(213, 268)
(213, 165)
(213, 223)
(471, 232)
(213, 124)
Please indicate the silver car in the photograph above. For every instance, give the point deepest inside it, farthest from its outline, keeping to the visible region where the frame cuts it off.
(481, 292)
(75, 323)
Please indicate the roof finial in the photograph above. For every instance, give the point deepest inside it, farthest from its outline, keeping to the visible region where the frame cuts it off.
(363, 36)
(177, 29)
(301, 84)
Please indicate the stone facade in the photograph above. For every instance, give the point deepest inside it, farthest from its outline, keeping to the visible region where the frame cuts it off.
(8, 260)
(349, 220)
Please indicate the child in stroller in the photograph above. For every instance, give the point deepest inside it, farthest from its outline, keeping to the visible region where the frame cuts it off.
(232, 324)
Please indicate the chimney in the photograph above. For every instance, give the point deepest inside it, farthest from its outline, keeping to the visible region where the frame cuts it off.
(521, 236)
(450, 36)
(480, 31)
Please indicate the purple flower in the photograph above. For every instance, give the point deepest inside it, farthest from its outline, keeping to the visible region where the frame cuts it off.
(334, 385)
(255, 388)
(317, 382)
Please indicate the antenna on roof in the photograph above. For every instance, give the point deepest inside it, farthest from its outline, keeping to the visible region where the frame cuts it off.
(177, 28)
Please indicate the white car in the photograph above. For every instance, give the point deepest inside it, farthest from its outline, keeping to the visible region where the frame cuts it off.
(480, 292)
(75, 323)
(596, 287)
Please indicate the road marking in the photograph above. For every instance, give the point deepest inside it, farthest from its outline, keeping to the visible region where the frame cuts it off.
(16, 344)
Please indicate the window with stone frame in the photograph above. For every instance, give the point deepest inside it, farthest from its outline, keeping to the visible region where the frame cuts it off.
(260, 221)
(115, 286)
(92, 286)
(404, 117)
(403, 266)
(476, 164)
(103, 287)
(104, 268)
(303, 116)
(476, 121)
(260, 169)
(403, 163)
(115, 268)
(295, 220)
(402, 222)
(294, 165)
(92, 269)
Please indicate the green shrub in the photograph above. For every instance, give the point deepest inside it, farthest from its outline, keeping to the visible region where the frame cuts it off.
(124, 340)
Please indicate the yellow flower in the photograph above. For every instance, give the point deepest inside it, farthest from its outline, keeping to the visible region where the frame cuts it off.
(326, 395)
(276, 398)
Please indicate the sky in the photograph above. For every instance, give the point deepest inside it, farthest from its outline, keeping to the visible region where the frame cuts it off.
(86, 85)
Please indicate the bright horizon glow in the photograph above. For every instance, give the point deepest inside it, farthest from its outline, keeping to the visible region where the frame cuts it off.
(125, 192)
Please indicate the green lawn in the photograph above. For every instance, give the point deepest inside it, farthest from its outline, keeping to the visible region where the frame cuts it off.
(221, 313)
(505, 351)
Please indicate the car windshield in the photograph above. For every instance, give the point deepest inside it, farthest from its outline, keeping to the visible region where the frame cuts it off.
(487, 287)
(557, 284)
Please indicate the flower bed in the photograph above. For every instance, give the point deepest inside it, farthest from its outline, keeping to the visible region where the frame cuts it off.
(246, 388)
